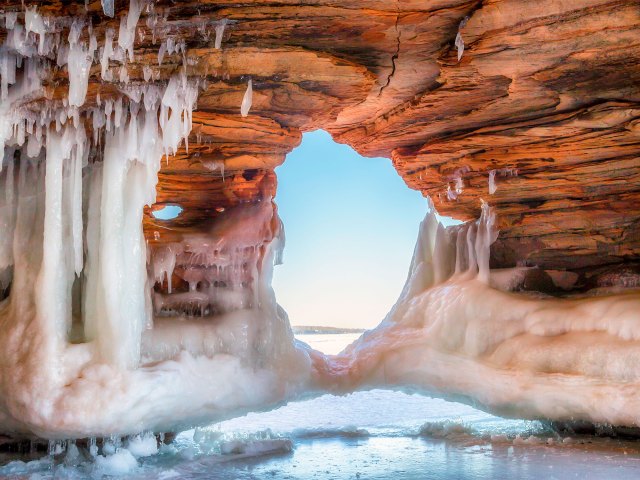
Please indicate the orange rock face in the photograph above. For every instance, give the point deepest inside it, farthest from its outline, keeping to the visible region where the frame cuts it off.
(545, 98)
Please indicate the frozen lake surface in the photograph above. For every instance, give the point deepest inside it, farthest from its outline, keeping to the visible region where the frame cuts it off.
(377, 434)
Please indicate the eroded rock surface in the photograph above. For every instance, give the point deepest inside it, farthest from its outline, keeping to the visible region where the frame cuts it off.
(542, 96)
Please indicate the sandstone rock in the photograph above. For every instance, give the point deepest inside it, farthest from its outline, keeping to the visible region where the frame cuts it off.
(546, 95)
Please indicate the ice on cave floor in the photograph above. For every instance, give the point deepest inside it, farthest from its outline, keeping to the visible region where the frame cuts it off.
(143, 445)
(247, 100)
(120, 463)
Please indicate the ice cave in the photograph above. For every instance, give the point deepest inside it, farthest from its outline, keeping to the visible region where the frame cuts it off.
(139, 232)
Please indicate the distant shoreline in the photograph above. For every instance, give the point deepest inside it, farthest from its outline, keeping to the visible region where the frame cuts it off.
(315, 330)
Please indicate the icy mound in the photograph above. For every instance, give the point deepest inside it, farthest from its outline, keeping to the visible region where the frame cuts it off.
(451, 334)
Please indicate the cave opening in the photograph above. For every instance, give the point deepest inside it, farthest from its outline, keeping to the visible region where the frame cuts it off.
(351, 224)
(167, 212)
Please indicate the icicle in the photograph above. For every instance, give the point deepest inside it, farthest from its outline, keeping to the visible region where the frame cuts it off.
(123, 75)
(108, 7)
(161, 52)
(451, 194)
(147, 72)
(79, 63)
(127, 33)
(459, 42)
(10, 19)
(220, 27)
(459, 185)
(492, 182)
(76, 196)
(459, 45)
(107, 53)
(7, 215)
(247, 100)
(33, 23)
(213, 165)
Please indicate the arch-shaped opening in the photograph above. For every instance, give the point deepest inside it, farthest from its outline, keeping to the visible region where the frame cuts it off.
(351, 223)
(167, 212)
(342, 214)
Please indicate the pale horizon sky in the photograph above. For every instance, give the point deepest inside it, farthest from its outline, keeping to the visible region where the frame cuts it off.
(351, 224)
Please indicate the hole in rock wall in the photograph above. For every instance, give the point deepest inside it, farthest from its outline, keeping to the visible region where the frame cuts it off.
(351, 224)
(167, 212)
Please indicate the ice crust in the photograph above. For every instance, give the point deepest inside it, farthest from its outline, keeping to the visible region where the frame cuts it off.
(103, 334)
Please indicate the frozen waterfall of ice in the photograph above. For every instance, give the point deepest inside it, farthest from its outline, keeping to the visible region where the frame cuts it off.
(76, 328)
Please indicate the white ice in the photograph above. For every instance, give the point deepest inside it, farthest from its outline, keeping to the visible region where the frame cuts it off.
(451, 334)
(220, 28)
(247, 100)
(459, 41)
(108, 7)
(492, 182)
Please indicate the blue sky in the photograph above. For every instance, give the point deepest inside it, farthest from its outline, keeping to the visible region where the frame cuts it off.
(351, 225)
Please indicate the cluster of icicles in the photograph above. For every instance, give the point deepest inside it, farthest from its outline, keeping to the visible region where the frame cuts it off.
(35, 46)
(452, 194)
(90, 349)
(82, 354)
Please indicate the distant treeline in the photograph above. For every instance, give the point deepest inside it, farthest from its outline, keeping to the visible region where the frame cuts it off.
(310, 330)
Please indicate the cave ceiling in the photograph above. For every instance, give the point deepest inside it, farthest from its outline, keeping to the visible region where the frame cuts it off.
(545, 98)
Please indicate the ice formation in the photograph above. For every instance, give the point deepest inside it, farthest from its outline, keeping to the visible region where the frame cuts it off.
(220, 28)
(108, 7)
(459, 41)
(82, 352)
(105, 333)
(452, 334)
(247, 100)
(504, 172)
(492, 182)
